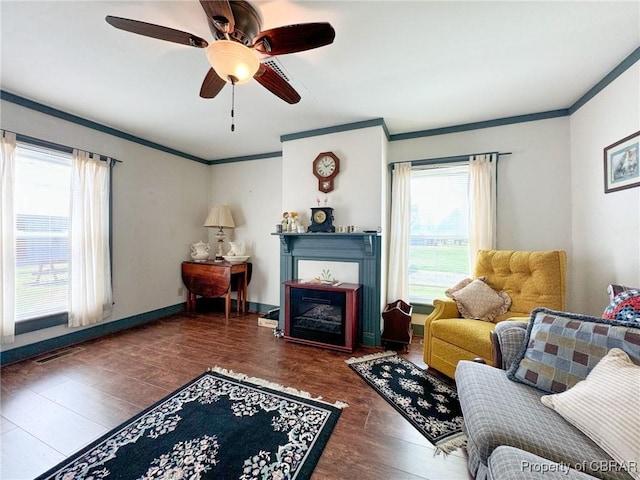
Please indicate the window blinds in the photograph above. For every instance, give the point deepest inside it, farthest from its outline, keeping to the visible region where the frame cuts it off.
(42, 194)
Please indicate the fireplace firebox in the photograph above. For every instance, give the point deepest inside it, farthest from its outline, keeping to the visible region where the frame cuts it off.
(322, 315)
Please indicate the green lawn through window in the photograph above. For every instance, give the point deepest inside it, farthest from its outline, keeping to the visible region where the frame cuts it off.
(434, 268)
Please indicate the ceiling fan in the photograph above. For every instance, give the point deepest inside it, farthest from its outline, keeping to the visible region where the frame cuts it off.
(237, 30)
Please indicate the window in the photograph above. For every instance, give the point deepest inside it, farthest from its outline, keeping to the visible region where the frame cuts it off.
(42, 191)
(59, 228)
(439, 232)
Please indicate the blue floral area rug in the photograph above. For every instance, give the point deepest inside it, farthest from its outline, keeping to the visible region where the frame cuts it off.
(428, 403)
(221, 425)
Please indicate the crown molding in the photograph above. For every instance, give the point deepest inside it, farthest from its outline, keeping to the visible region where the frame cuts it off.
(623, 66)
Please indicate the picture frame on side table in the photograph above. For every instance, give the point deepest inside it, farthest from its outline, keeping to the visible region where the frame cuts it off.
(621, 164)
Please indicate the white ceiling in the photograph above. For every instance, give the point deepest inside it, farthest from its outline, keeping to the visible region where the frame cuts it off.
(418, 65)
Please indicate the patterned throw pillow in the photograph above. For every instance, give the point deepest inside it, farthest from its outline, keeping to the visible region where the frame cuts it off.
(625, 307)
(613, 381)
(561, 348)
(481, 302)
(460, 285)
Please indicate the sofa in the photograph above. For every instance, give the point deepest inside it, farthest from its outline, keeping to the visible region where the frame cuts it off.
(530, 279)
(560, 403)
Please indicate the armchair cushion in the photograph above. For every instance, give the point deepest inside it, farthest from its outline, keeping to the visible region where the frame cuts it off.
(464, 333)
(560, 348)
(531, 278)
(479, 301)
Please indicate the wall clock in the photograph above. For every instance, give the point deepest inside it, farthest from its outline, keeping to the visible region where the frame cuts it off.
(322, 219)
(326, 167)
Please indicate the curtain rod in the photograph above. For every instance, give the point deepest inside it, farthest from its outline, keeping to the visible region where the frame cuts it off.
(456, 158)
(56, 146)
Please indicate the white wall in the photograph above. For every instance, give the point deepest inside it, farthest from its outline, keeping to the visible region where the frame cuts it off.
(252, 190)
(357, 195)
(159, 206)
(606, 227)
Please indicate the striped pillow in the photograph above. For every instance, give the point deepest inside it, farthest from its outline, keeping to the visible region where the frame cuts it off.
(614, 381)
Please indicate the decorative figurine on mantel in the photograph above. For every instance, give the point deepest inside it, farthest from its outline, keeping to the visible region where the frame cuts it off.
(290, 222)
(294, 221)
(326, 199)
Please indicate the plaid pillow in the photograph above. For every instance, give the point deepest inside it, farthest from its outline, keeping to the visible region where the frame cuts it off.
(560, 349)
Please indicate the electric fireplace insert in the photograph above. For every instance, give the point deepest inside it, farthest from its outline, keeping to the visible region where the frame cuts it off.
(322, 315)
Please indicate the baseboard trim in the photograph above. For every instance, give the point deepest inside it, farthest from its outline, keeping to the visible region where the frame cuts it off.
(22, 353)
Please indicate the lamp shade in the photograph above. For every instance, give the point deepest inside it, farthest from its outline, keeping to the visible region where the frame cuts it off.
(219, 216)
(232, 61)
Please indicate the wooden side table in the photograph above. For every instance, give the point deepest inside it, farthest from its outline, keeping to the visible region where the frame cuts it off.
(213, 279)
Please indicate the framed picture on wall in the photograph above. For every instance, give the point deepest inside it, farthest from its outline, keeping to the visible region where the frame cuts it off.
(621, 168)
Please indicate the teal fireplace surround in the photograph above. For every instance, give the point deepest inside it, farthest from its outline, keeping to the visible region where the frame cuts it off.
(361, 248)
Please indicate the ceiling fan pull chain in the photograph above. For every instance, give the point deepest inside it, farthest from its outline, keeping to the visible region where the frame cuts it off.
(233, 102)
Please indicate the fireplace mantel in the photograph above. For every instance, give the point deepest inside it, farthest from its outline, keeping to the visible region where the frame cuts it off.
(361, 248)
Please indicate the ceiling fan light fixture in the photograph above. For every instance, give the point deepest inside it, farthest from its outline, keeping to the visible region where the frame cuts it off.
(232, 61)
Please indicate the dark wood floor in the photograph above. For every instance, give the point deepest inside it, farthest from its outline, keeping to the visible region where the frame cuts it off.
(49, 410)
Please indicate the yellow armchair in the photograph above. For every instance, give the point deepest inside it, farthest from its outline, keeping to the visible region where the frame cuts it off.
(531, 278)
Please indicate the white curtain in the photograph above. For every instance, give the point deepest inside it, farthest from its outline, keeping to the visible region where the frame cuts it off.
(398, 279)
(482, 204)
(90, 295)
(8, 235)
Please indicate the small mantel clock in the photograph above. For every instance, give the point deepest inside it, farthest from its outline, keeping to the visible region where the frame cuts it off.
(322, 219)
(326, 167)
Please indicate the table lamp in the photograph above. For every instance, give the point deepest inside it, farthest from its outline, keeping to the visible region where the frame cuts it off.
(220, 217)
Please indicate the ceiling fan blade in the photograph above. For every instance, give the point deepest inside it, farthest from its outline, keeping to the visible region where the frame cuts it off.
(269, 79)
(294, 38)
(219, 12)
(157, 31)
(211, 85)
